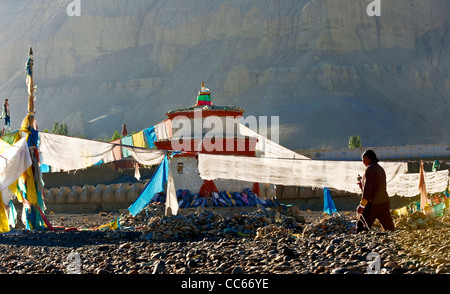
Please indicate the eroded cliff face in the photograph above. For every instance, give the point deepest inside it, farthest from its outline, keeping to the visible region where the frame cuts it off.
(325, 67)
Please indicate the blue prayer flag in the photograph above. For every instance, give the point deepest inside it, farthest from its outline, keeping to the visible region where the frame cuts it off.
(127, 140)
(155, 185)
(45, 168)
(328, 204)
(150, 136)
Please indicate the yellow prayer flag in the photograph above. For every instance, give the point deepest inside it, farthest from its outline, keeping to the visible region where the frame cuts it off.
(401, 211)
(4, 223)
(14, 187)
(112, 225)
(28, 178)
(138, 139)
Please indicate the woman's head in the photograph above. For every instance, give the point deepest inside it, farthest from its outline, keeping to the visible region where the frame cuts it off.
(369, 155)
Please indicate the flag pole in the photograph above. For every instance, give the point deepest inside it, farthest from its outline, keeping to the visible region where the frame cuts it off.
(29, 120)
(36, 218)
(30, 82)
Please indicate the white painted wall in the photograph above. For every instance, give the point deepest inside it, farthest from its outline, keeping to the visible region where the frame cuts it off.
(383, 153)
(190, 178)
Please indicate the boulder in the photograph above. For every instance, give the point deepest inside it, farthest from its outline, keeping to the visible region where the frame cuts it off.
(51, 195)
(109, 193)
(86, 192)
(61, 197)
(97, 194)
(121, 193)
(73, 197)
(135, 191)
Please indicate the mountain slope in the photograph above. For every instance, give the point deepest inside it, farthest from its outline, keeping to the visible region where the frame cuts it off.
(325, 67)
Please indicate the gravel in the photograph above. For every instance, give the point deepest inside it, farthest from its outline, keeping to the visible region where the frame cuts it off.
(286, 242)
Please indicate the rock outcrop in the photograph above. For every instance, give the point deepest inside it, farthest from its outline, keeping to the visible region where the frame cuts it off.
(385, 78)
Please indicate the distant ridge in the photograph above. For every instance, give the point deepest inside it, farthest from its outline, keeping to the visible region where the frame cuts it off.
(327, 69)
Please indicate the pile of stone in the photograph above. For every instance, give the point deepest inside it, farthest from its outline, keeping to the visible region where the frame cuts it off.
(419, 220)
(261, 223)
(445, 219)
(330, 225)
(207, 223)
(274, 232)
(427, 249)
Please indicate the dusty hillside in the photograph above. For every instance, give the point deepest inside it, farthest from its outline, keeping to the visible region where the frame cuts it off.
(325, 67)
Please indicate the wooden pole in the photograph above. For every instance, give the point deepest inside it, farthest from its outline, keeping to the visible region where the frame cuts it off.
(30, 83)
(30, 120)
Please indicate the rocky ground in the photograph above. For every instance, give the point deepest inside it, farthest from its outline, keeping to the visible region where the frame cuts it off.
(256, 241)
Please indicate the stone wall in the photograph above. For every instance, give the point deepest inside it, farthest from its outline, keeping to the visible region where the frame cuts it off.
(118, 197)
(89, 198)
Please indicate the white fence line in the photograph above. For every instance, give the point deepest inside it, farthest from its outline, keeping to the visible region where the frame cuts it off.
(405, 152)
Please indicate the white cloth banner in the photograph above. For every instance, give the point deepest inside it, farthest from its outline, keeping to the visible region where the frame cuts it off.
(146, 156)
(340, 175)
(163, 130)
(171, 198)
(14, 161)
(408, 184)
(70, 153)
(268, 148)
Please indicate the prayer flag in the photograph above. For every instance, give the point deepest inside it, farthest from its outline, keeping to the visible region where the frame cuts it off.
(69, 153)
(4, 223)
(14, 161)
(117, 150)
(290, 172)
(127, 140)
(171, 199)
(150, 136)
(138, 139)
(328, 204)
(112, 225)
(422, 188)
(155, 185)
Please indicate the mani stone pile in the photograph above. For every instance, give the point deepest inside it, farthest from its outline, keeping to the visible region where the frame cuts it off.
(262, 241)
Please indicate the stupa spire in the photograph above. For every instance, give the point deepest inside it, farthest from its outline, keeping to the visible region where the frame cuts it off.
(204, 96)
